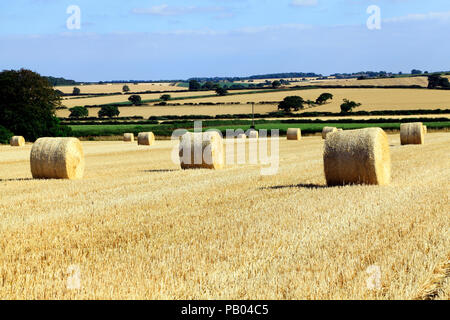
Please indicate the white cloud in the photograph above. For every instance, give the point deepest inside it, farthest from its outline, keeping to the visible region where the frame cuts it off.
(166, 10)
(304, 3)
(421, 17)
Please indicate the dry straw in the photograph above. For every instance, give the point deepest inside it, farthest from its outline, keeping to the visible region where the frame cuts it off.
(432, 287)
(241, 136)
(57, 158)
(357, 157)
(17, 141)
(146, 138)
(327, 130)
(425, 129)
(128, 137)
(201, 150)
(294, 134)
(412, 133)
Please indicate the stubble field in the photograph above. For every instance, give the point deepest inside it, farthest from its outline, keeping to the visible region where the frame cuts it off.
(138, 227)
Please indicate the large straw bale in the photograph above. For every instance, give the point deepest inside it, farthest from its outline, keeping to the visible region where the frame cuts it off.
(327, 130)
(128, 137)
(357, 157)
(201, 150)
(146, 138)
(17, 141)
(57, 158)
(412, 133)
(294, 134)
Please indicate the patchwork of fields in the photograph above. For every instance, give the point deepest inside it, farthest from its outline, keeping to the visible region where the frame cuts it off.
(139, 227)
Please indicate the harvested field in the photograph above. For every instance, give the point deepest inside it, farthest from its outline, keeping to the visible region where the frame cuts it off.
(139, 227)
(371, 99)
(117, 87)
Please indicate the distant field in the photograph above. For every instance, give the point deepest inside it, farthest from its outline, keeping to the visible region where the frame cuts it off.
(407, 81)
(371, 99)
(117, 87)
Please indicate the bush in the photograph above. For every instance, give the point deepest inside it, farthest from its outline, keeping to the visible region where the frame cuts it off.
(76, 91)
(78, 112)
(323, 98)
(292, 102)
(125, 88)
(135, 100)
(109, 111)
(165, 97)
(5, 135)
(348, 106)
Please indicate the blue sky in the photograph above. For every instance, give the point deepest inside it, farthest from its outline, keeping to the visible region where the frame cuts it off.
(176, 39)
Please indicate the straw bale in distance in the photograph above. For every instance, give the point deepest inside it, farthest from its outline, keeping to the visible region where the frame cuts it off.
(17, 141)
(357, 157)
(294, 134)
(412, 133)
(201, 150)
(327, 130)
(128, 137)
(57, 158)
(146, 138)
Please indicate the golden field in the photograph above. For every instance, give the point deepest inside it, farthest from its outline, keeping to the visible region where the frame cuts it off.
(371, 99)
(117, 87)
(138, 227)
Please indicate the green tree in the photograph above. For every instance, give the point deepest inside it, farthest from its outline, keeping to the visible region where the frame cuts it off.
(5, 135)
(126, 88)
(291, 102)
(221, 91)
(348, 106)
(109, 111)
(76, 91)
(435, 81)
(194, 85)
(323, 98)
(135, 99)
(165, 97)
(27, 105)
(78, 112)
(276, 84)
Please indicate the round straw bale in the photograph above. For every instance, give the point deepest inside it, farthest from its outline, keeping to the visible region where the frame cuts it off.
(57, 158)
(128, 137)
(241, 136)
(327, 130)
(357, 157)
(146, 138)
(412, 133)
(201, 150)
(253, 134)
(17, 141)
(294, 134)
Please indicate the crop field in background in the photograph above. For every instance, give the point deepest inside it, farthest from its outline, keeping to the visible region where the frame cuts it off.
(139, 227)
(371, 99)
(117, 87)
